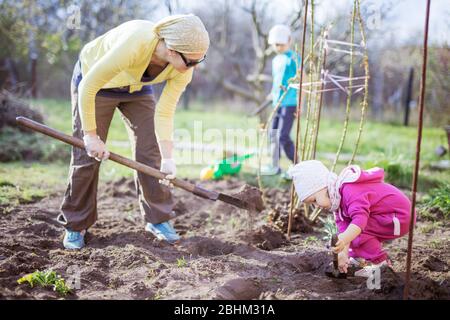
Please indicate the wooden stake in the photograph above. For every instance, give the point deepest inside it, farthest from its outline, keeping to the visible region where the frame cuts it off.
(305, 18)
(349, 90)
(364, 103)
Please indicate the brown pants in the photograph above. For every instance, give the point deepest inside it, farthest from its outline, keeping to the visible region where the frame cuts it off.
(79, 206)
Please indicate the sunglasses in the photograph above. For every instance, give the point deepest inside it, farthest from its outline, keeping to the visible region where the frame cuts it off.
(190, 63)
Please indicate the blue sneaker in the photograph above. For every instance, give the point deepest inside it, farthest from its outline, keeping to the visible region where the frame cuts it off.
(286, 176)
(74, 239)
(270, 171)
(163, 231)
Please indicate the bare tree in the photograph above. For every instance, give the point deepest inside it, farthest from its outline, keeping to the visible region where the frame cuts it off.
(248, 60)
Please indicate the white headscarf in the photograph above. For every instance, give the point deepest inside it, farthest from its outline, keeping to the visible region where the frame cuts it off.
(184, 33)
(312, 176)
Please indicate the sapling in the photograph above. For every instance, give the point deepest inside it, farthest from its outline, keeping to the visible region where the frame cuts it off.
(349, 90)
(311, 240)
(364, 102)
(329, 227)
(181, 262)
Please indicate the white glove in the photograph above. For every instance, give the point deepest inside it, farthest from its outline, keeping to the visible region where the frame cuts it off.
(95, 147)
(168, 166)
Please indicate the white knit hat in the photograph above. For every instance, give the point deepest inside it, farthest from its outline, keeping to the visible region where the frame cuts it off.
(279, 34)
(309, 177)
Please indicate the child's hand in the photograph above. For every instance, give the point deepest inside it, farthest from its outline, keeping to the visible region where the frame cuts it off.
(340, 245)
(346, 237)
(343, 261)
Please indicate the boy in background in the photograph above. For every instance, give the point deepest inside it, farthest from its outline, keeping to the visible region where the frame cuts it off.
(284, 67)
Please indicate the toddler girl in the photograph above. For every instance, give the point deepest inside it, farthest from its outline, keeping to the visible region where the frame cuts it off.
(367, 210)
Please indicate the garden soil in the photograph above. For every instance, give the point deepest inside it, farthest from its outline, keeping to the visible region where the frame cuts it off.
(225, 253)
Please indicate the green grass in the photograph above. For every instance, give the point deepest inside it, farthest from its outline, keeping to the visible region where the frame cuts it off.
(22, 182)
(378, 140)
(181, 262)
(386, 145)
(381, 140)
(437, 199)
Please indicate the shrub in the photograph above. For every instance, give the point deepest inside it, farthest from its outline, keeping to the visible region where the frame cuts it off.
(437, 201)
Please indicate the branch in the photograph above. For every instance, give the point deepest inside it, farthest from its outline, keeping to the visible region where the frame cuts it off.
(239, 91)
(231, 87)
(295, 22)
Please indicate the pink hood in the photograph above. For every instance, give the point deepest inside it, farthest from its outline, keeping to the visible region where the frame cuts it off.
(372, 175)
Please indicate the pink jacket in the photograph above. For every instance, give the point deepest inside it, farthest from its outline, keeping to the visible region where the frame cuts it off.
(378, 208)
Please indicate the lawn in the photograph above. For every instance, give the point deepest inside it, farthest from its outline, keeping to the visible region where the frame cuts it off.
(386, 145)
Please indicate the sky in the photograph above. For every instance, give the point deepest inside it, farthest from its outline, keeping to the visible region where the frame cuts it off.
(411, 19)
(404, 22)
(405, 19)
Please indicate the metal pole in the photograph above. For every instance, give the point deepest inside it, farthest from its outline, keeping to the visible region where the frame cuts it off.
(299, 109)
(408, 96)
(34, 75)
(419, 141)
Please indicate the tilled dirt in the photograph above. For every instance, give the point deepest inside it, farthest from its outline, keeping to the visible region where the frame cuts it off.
(278, 210)
(226, 253)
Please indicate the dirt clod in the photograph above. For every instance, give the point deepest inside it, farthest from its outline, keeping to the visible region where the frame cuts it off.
(207, 247)
(120, 188)
(279, 216)
(267, 238)
(239, 289)
(433, 263)
(252, 196)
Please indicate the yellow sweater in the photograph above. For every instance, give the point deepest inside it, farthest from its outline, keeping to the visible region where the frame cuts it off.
(119, 58)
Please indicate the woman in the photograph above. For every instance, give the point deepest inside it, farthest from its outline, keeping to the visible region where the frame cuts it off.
(116, 70)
